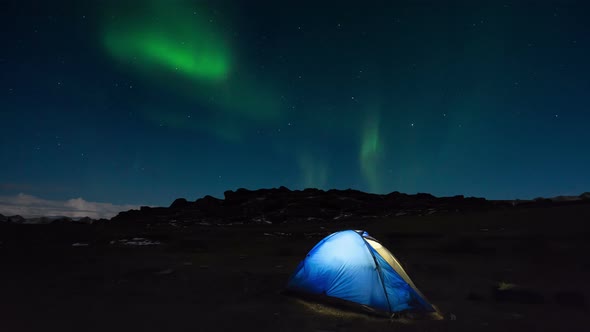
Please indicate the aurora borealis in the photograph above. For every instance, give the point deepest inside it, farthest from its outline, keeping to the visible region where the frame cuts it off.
(174, 42)
(141, 102)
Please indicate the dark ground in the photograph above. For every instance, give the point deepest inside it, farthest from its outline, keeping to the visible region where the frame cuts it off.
(521, 269)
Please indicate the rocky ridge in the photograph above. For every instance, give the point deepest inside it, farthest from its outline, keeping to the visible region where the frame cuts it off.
(281, 205)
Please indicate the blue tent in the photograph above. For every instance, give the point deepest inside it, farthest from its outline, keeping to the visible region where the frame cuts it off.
(352, 266)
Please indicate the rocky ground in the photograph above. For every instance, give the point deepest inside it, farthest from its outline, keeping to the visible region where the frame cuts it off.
(486, 266)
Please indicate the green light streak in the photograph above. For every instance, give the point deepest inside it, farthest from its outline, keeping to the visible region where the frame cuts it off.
(314, 171)
(187, 57)
(370, 153)
(188, 45)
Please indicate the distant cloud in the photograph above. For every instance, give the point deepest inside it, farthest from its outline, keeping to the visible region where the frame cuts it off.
(30, 206)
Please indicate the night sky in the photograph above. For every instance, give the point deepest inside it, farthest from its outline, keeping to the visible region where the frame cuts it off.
(141, 102)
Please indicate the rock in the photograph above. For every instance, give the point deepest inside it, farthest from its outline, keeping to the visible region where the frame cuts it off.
(62, 220)
(424, 196)
(179, 203)
(16, 219)
(208, 202)
(282, 205)
(236, 197)
(505, 292)
(85, 220)
(283, 190)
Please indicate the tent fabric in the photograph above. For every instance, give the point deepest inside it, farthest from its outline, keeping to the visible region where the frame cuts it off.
(349, 265)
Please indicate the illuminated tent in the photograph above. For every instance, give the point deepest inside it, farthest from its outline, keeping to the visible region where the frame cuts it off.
(352, 266)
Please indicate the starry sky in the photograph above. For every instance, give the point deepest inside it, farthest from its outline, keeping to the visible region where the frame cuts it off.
(141, 102)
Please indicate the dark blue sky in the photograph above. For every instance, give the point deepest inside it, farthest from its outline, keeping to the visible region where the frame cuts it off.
(141, 102)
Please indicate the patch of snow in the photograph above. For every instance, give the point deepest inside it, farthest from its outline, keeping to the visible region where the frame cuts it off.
(230, 224)
(261, 220)
(314, 234)
(136, 241)
(280, 234)
(342, 215)
(164, 272)
(77, 244)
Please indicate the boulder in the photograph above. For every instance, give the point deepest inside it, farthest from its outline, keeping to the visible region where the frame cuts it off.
(179, 203)
(16, 219)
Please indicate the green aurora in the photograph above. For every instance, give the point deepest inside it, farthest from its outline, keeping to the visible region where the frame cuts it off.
(189, 57)
(161, 35)
(370, 152)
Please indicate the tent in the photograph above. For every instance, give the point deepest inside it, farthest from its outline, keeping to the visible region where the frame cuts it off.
(352, 266)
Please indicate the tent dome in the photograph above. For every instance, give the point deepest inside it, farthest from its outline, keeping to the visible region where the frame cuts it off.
(351, 265)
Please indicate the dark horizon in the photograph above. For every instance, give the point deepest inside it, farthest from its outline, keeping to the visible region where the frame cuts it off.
(31, 207)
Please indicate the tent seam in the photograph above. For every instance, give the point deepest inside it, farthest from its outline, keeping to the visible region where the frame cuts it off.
(379, 273)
